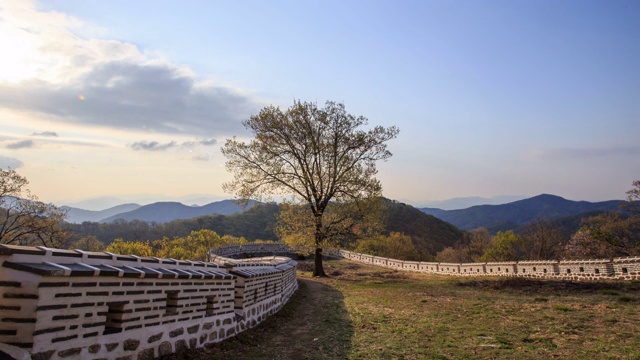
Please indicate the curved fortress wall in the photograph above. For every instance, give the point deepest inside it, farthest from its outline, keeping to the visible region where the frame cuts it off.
(620, 268)
(71, 304)
(627, 268)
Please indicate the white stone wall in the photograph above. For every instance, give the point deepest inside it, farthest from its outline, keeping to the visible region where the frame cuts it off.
(62, 304)
(620, 268)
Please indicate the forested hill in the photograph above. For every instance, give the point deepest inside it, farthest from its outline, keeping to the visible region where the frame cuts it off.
(517, 213)
(428, 233)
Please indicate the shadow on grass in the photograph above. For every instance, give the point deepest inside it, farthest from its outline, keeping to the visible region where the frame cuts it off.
(314, 324)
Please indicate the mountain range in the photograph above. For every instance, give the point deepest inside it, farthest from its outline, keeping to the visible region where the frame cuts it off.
(159, 212)
(518, 213)
(509, 216)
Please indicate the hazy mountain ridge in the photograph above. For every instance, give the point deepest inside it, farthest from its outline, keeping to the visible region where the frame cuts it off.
(162, 212)
(518, 213)
(77, 215)
(469, 201)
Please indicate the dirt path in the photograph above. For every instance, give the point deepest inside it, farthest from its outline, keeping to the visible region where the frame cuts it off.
(313, 325)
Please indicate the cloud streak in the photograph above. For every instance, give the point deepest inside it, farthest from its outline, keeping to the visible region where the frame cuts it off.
(153, 146)
(45, 134)
(157, 146)
(23, 144)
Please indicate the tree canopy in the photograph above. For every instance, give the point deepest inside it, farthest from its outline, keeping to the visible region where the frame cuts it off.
(24, 220)
(314, 156)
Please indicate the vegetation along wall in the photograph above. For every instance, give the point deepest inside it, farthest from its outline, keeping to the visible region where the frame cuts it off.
(72, 304)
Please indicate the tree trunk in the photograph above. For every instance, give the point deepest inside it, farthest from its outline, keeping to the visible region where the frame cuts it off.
(318, 270)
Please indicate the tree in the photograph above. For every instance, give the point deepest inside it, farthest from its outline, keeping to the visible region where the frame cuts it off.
(479, 242)
(88, 243)
(451, 255)
(617, 232)
(621, 233)
(633, 199)
(315, 156)
(348, 221)
(584, 246)
(541, 240)
(139, 248)
(504, 247)
(395, 246)
(24, 220)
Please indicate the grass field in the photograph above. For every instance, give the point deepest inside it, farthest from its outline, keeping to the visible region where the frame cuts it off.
(366, 312)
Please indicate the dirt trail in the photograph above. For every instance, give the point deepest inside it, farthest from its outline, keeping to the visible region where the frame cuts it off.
(313, 325)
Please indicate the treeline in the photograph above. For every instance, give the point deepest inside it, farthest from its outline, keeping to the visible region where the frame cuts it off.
(606, 235)
(194, 246)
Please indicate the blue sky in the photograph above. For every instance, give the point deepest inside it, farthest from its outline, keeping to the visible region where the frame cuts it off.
(133, 99)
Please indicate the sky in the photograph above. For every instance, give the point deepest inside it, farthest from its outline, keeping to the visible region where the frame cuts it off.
(132, 100)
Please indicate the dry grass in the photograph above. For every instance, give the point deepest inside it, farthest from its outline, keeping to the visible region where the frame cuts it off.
(366, 312)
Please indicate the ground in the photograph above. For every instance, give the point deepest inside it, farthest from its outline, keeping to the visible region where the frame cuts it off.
(366, 312)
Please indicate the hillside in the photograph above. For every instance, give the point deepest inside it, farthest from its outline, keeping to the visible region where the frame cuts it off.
(429, 234)
(518, 213)
(162, 212)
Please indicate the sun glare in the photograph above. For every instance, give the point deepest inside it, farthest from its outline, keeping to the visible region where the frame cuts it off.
(16, 62)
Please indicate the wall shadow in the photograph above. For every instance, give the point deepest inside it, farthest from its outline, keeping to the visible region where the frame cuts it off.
(314, 324)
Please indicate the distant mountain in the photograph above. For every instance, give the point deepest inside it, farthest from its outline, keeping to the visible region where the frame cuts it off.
(466, 202)
(162, 212)
(77, 216)
(518, 213)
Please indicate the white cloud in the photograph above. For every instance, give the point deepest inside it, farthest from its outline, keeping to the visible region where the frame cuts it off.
(60, 76)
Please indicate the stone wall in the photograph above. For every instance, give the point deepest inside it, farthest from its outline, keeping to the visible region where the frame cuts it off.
(619, 268)
(64, 304)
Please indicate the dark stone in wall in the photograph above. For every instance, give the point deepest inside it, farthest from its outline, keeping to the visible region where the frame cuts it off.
(203, 338)
(176, 332)
(154, 338)
(193, 329)
(110, 347)
(146, 354)
(181, 345)
(193, 343)
(128, 357)
(207, 326)
(131, 344)
(165, 348)
(69, 352)
(45, 355)
(94, 348)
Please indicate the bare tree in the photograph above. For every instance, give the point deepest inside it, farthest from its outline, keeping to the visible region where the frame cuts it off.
(24, 220)
(315, 156)
(541, 240)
